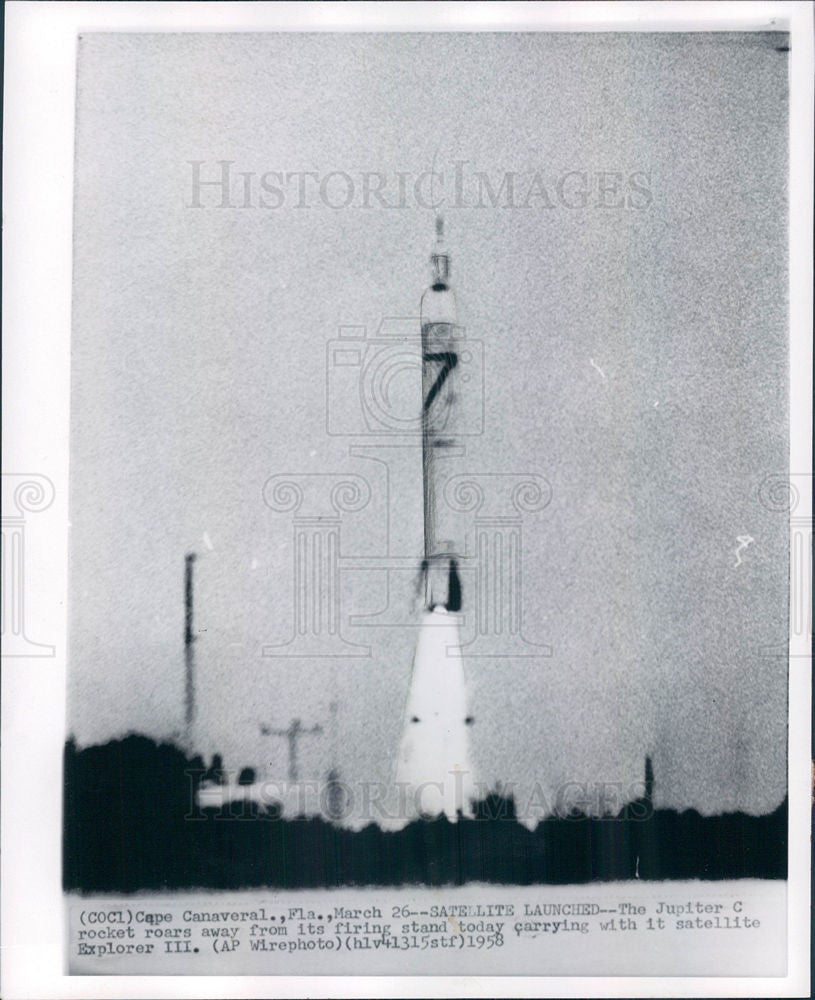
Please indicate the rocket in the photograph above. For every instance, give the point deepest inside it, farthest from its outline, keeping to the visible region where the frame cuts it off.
(433, 764)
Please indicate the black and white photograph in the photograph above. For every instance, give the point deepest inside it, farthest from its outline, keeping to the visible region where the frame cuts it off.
(437, 570)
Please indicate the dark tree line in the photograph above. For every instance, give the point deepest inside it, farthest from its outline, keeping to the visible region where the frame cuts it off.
(130, 824)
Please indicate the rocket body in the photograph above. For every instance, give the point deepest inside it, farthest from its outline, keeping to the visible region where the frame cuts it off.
(441, 430)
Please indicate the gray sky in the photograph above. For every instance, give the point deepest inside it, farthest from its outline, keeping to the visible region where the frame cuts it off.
(634, 356)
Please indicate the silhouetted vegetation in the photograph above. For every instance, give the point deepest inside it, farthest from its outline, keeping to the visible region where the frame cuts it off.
(130, 825)
(214, 772)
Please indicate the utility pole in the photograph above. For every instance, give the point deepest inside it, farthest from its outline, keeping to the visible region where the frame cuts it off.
(189, 654)
(292, 735)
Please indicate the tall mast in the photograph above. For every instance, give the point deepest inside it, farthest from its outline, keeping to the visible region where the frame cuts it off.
(189, 643)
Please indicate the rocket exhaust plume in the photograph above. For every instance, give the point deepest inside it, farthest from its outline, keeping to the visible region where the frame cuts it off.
(433, 756)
